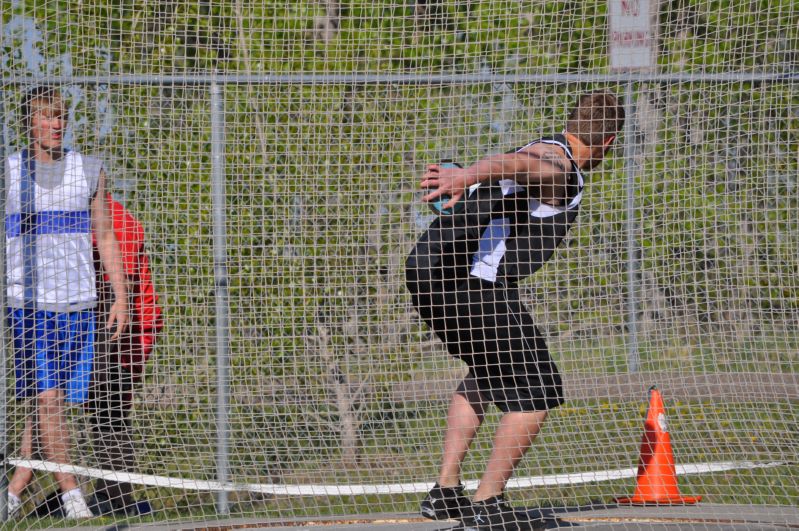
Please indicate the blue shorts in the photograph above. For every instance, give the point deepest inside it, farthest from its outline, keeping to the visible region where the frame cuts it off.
(53, 350)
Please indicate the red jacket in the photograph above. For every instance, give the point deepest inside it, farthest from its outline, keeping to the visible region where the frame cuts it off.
(137, 342)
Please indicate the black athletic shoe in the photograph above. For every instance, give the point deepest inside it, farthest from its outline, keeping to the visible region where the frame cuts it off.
(494, 514)
(446, 503)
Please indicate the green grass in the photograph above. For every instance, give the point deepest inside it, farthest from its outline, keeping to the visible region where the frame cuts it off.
(590, 436)
(701, 351)
(580, 437)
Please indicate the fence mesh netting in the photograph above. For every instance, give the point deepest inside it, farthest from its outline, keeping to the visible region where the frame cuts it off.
(272, 152)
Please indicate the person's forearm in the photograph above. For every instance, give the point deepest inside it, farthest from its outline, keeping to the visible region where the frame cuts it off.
(523, 167)
(111, 258)
(493, 168)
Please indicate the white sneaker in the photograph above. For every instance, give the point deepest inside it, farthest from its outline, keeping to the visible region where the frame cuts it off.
(75, 508)
(14, 505)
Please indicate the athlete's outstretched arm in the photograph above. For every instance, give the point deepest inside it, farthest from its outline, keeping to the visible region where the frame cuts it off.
(537, 164)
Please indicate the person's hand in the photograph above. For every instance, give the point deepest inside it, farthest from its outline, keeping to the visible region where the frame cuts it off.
(118, 317)
(441, 181)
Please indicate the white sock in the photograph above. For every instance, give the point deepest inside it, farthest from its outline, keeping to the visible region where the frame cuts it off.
(72, 494)
(14, 497)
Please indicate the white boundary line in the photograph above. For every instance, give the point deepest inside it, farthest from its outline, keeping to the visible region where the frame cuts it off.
(354, 490)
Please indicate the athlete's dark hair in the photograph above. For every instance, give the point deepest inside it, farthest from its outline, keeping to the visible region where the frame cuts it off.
(596, 116)
(47, 93)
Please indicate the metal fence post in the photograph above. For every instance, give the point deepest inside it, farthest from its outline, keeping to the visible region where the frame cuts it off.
(218, 199)
(630, 166)
(3, 343)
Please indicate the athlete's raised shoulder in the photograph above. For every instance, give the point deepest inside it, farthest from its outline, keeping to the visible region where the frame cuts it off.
(548, 153)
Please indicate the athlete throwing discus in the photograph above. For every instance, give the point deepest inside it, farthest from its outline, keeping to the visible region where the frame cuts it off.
(463, 277)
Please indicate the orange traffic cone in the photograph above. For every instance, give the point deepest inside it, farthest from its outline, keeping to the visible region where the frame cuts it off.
(657, 477)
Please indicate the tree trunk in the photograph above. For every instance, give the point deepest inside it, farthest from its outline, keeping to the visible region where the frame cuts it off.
(343, 400)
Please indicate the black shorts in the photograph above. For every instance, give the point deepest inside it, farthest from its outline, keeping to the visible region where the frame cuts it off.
(507, 356)
(482, 322)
